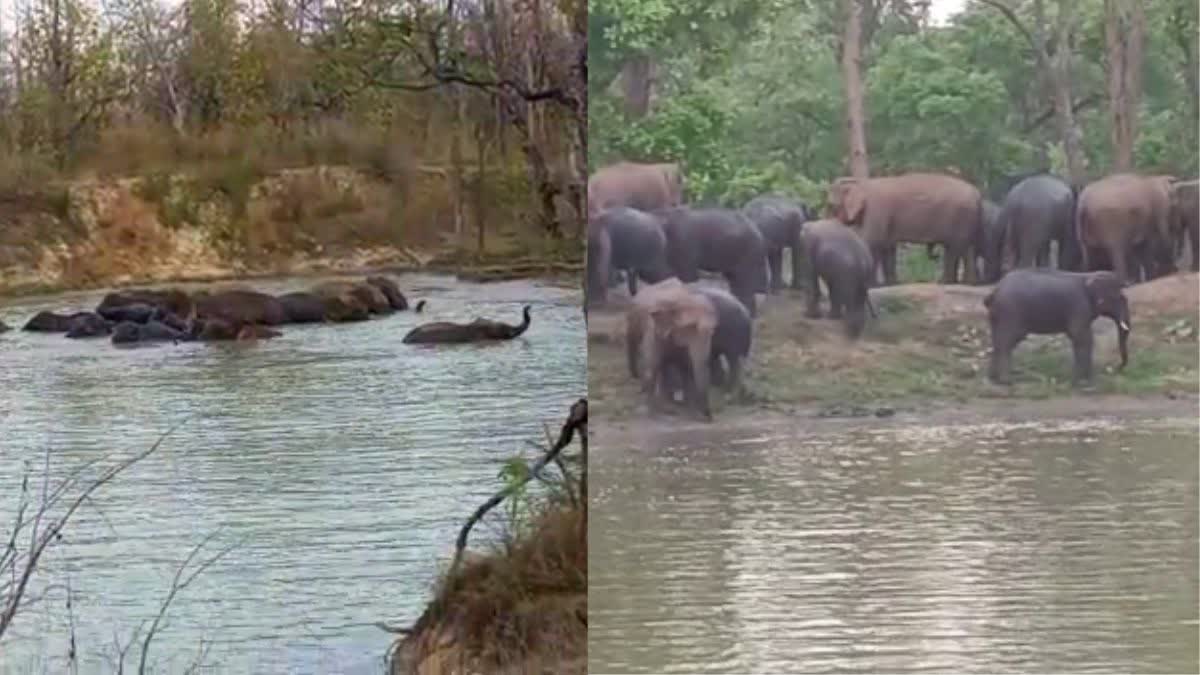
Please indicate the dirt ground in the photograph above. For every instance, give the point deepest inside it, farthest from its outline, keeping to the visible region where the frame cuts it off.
(924, 355)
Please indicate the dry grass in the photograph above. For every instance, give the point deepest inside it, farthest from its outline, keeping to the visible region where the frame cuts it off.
(520, 608)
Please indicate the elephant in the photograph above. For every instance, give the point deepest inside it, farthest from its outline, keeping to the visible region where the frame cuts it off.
(717, 240)
(479, 330)
(88, 325)
(838, 256)
(1000, 187)
(1045, 301)
(779, 219)
(1120, 213)
(391, 292)
(173, 301)
(625, 239)
(221, 330)
(990, 246)
(646, 187)
(351, 293)
(731, 337)
(137, 312)
(4, 327)
(1037, 211)
(49, 322)
(914, 207)
(239, 307)
(669, 332)
(305, 307)
(1185, 198)
(128, 332)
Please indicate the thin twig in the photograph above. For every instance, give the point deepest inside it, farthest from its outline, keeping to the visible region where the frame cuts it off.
(575, 420)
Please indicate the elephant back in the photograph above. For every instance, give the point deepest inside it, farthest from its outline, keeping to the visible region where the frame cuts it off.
(241, 307)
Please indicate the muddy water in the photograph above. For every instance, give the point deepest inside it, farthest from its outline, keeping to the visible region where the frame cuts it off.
(1066, 547)
(338, 460)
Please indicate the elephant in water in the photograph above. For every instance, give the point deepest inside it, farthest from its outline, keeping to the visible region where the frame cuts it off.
(171, 301)
(220, 330)
(88, 325)
(1046, 302)
(49, 322)
(391, 291)
(240, 307)
(4, 327)
(128, 332)
(479, 330)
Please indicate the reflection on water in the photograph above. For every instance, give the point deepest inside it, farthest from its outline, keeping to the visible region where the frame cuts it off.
(341, 459)
(969, 549)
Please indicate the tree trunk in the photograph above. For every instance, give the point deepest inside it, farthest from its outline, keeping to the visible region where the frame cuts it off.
(1060, 74)
(856, 134)
(1124, 31)
(637, 85)
(457, 98)
(481, 143)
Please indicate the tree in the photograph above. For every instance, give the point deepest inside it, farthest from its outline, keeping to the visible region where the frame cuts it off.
(852, 77)
(1124, 32)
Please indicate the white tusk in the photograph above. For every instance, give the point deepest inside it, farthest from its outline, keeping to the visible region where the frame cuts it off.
(1124, 326)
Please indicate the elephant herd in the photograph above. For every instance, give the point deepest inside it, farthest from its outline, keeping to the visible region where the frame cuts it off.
(142, 316)
(678, 333)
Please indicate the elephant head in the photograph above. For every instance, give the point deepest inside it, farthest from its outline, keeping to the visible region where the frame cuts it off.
(669, 325)
(1105, 291)
(848, 200)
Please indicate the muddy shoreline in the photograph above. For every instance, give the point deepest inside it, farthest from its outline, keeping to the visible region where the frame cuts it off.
(647, 431)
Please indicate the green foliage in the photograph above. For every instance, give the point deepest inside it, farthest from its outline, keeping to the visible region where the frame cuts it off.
(765, 112)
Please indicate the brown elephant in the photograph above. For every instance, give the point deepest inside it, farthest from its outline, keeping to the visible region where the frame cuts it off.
(350, 292)
(926, 208)
(240, 307)
(645, 187)
(169, 301)
(390, 290)
(1121, 213)
(669, 332)
(1185, 201)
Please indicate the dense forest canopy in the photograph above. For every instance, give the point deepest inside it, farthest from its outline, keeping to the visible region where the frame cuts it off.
(750, 96)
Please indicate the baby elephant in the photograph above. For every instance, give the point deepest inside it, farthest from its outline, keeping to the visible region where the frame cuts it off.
(1044, 301)
(840, 258)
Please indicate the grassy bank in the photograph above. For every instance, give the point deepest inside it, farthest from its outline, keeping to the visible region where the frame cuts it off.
(519, 605)
(930, 343)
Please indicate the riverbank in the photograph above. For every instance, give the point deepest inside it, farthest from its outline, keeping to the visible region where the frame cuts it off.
(928, 348)
(236, 226)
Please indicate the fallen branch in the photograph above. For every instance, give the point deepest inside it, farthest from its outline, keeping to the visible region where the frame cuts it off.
(577, 419)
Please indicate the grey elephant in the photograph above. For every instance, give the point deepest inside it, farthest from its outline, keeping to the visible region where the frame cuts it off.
(779, 219)
(838, 256)
(922, 208)
(50, 322)
(628, 240)
(128, 332)
(368, 295)
(990, 247)
(171, 301)
(717, 240)
(1120, 214)
(223, 330)
(4, 328)
(87, 325)
(731, 337)
(391, 291)
(668, 339)
(479, 330)
(1038, 211)
(1185, 199)
(240, 306)
(646, 187)
(1044, 301)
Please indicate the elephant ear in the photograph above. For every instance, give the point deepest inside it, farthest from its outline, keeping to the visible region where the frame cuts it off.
(847, 199)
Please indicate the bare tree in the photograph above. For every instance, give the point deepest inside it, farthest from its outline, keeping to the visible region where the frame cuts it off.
(1056, 67)
(1124, 37)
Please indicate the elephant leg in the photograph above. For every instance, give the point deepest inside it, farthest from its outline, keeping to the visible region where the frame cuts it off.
(745, 294)
(716, 371)
(1194, 241)
(814, 294)
(1043, 255)
(1081, 345)
(698, 352)
(1004, 340)
(889, 266)
(734, 381)
(1121, 264)
(950, 264)
(775, 262)
(798, 275)
(631, 279)
(837, 302)
(970, 271)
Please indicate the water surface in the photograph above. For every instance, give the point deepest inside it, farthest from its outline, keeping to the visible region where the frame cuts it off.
(343, 462)
(1066, 547)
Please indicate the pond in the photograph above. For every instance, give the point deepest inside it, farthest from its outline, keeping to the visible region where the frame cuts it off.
(338, 462)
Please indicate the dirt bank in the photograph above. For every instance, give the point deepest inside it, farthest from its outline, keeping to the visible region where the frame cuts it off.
(928, 349)
(237, 225)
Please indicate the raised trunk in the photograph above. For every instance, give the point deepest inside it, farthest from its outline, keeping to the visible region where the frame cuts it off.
(856, 134)
(1124, 31)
